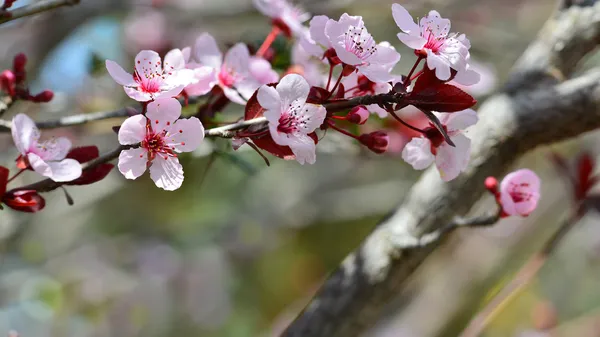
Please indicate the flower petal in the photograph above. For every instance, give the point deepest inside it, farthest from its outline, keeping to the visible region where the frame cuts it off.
(138, 95)
(237, 59)
(185, 135)
(467, 77)
(162, 113)
(119, 75)
(206, 51)
(441, 65)
(233, 95)
(376, 73)
(451, 161)
(386, 55)
(292, 87)
(133, 130)
(418, 153)
(412, 41)
(459, 120)
(311, 116)
(262, 70)
(205, 78)
(166, 172)
(59, 171)
(268, 97)
(404, 20)
(174, 60)
(54, 149)
(317, 30)
(148, 64)
(132, 163)
(304, 149)
(24, 132)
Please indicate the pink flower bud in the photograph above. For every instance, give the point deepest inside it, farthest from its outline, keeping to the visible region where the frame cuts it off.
(491, 184)
(376, 141)
(19, 63)
(43, 97)
(7, 82)
(520, 192)
(358, 115)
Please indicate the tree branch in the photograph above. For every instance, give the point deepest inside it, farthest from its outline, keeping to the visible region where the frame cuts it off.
(534, 110)
(35, 8)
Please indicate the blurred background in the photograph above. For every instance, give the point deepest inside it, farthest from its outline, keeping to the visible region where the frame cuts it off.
(241, 247)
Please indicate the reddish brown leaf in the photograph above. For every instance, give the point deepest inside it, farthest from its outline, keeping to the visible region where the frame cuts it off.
(341, 92)
(426, 80)
(28, 201)
(3, 179)
(93, 175)
(268, 144)
(585, 166)
(253, 108)
(84, 154)
(442, 98)
(317, 95)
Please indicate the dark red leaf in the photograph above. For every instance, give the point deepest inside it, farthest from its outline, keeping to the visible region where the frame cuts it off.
(442, 98)
(93, 175)
(438, 125)
(28, 201)
(585, 166)
(317, 95)
(84, 154)
(426, 80)
(3, 179)
(268, 144)
(253, 108)
(341, 92)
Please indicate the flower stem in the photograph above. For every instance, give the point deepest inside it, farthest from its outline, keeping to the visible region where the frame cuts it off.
(340, 130)
(16, 175)
(268, 41)
(331, 66)
(416, 75)
(414, 67)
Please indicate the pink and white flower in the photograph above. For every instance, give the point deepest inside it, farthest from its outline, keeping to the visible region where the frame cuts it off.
(204, 79)
(291, 119)
(432, 38)
(232, 73)
(46, 158)
(262, 70)
(356, 47)
(281, 10)
(520, 192)
(422, 151)
(152, 79)
(161, 136)
(311, 67)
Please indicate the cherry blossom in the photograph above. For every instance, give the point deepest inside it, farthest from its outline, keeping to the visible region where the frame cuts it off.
(309, 66)
(285, 14)
(161, 136)
(46, 158)
(422, 151)
(262, 71)
(356, 47)
(204, 78)
(520, 192)
(232, 73)
(431, 38)
(291, 119)
(152, 79)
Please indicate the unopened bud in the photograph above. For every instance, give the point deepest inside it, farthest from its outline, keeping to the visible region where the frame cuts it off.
(7, 82)
(43, 97)
(376, 141)
(491, 184)
(332, 57)
(19, 63)
(358, 115)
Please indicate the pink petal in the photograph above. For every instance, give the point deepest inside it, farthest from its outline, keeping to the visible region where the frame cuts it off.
(65, 170)
(415, 42)
(521, 176)
(177, 78)
(293, 87)
(403, 19)
(317, 30)
(185, 135)
(163, 113)
(132, 163)
(269, 99)
(233, 95)
(451, 161)
(237, 59)
(385, 55)
(262, 70)
(310, 47)
(459, 120)
(508, 205)
(418, 154)
(133, 130)
(304, 149)
(174, 92)
(166, 173)
(246, 88)
(119, 75)
(187, 54)
(53, 149)
(206, 51)
(346, 56)
(438, 26)
(24, 132)
(148, 64)
(205, 79)
(174, 60)
(376, 73)
(467, 77)
(313, 116)
(441, 66)
(138, 95)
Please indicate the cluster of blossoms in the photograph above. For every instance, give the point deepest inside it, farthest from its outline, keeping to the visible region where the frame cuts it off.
(338, 77)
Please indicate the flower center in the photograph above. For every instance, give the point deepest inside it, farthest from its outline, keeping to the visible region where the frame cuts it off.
(435, 137)
(155, 144)
(359, 42)
(518, 192)
(291, 121)
(149, 83)
(433, 43)
(228, 77)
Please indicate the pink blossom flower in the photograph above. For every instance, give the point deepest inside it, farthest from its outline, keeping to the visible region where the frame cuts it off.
(422, 151)
(356, 47)
(291, 16)
(262, 71)
(291, 119)
(311, 66)
(161, 136)
(232, 73)
(520, 192)
(204, 79)
(486, 83)
(359, 85)
(432, 38)
(152, 79)
(46, 158)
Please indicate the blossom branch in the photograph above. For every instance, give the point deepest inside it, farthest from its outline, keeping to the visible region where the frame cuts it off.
(533, 111)
(35, 8)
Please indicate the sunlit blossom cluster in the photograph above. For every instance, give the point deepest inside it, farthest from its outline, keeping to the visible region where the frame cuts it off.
(339, 76)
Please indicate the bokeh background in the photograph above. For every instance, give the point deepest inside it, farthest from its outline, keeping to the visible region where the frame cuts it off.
(240, 249)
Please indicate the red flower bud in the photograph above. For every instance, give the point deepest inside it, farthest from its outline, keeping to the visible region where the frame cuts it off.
(19, 63)
(358, 115)
(43, 97)
(7, 82)
(491, 184)
(377, 141)
(332, 57)
(24, 201)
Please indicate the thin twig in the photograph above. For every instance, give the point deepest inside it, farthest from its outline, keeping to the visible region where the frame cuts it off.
(35, 8)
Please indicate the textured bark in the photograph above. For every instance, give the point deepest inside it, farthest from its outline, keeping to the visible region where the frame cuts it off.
(536, 108)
